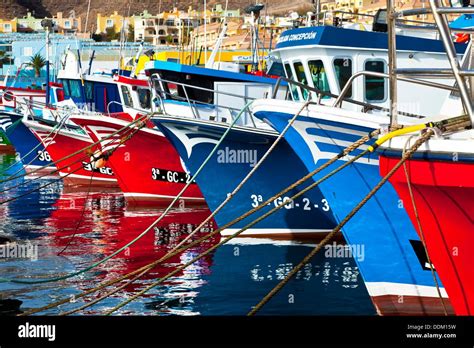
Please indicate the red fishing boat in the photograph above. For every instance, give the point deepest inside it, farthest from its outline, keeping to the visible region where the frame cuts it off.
(437, 191)
(148, 169)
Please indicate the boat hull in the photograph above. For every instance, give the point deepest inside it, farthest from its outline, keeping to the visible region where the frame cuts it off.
(391, 265)
(442, 192)
(76, 170)
(29, 149)
(148, 169)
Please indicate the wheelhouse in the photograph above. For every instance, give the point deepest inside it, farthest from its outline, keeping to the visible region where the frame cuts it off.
(325, 58)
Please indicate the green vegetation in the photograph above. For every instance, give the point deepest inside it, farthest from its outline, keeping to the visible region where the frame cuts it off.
(37, 62)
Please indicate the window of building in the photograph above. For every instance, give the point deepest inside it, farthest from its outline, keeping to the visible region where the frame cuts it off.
(375, 87)
(144, 97)
(319, 76)
(127, 97)
(67, 24)
(27, 51)
(109, 23)
(7, 27)
(343, 69)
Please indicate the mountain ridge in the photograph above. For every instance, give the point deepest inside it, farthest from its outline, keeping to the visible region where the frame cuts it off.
(48, 8)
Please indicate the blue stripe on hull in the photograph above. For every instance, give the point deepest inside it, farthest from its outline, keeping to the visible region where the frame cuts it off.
(24, 141)
(280, 169)
(382, 226)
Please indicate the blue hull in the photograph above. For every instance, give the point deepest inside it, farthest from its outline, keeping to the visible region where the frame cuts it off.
(393, 267)
(194, 140)
(24, 141)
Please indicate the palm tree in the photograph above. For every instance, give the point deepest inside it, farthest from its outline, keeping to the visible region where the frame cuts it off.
(37, 62)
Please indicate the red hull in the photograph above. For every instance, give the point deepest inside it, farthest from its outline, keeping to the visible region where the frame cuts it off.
(148, 169)
(443, 194)
(75, 170)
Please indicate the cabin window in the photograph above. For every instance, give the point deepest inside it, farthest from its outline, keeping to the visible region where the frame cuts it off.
(65, 84)
(144, 96)
(375, 86)
(127, 97)
(319, 76)
(294, 89)
(301, 77)
(276, 69)
(75, 88)
(343, 69)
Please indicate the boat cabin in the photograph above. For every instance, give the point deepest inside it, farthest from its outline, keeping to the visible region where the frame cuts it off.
(104, 91)
(326, 57)
(192, 91)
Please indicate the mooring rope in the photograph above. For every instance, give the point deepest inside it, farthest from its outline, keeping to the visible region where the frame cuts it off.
(79, 222)
(55, 130)
(59, 169)
(262, 217)
(91, 161)
(422, 235)
(150, 266)
(338, 228)
(29, 105)
(89, 147)
(219, 208)
(23, 172)
(103, 155)
(247, 177)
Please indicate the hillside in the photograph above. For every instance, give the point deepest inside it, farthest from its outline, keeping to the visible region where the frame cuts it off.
(42, 8)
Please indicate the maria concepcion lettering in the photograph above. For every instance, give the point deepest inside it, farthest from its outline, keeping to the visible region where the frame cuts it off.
(297, 37)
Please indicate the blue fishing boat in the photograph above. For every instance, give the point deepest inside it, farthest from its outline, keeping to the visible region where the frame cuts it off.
(196, 116)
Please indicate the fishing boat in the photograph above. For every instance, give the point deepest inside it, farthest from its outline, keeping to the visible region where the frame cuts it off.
(395, 269)
(148, 154)
(68, 145)
(198, 104)
(162, 177)
(17, 137)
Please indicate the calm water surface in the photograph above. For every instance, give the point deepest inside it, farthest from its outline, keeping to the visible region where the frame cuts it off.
(72, 230)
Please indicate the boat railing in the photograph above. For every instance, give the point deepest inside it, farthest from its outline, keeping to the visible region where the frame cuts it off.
(140, 111)
(460, 74)
(339, 99)
(193, 103)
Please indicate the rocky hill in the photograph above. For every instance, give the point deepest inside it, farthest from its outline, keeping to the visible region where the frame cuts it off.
(43, 8)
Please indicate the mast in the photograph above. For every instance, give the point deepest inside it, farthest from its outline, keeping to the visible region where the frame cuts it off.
(47, 24)
(392, 63)
(205, 32)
